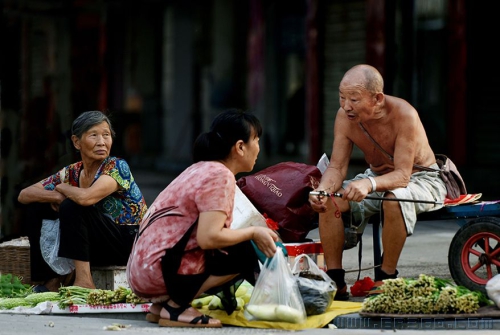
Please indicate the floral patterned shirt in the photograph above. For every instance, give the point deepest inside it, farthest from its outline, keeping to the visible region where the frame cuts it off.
(125, 206)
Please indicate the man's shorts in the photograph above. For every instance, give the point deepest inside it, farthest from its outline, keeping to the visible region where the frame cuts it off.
(423, 185)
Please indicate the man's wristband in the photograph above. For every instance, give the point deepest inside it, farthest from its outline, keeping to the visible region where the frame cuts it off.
(374, 183)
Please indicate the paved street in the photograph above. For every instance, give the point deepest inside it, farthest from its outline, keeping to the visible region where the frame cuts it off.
(63, 325)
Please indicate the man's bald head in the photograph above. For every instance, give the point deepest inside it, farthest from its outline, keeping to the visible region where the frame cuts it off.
(365, 77)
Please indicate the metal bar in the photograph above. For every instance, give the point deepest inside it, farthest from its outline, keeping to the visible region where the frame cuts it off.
(338, 195)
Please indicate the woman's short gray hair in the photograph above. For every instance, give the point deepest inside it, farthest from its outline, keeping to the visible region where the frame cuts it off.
(87, 120)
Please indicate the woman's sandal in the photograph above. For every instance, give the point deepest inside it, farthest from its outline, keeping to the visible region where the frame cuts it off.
(153, 318)
(174, 313)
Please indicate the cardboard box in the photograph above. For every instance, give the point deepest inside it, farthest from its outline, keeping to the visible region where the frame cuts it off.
(110, 277)
(313, 249)
(49, 307)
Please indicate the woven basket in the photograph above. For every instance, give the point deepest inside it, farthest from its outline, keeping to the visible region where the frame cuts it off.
(16, 260)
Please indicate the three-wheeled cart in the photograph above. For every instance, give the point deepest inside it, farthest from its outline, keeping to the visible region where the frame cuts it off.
(474, 253)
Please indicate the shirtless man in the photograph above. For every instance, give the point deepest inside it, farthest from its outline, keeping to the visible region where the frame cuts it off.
(396, 126)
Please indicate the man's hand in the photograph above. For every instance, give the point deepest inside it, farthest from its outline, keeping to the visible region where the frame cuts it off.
(318, 202)
(357, 190)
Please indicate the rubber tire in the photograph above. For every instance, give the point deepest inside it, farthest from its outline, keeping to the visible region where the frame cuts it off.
(468, 235)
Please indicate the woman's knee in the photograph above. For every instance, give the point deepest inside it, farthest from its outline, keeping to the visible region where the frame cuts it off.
(68, 206)
(69, 209)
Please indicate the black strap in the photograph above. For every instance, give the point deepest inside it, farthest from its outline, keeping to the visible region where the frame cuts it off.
(171, 261)
(376, 143)
(175, 253)
(391, 158)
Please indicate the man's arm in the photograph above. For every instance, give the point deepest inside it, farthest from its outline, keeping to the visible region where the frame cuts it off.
(339, 160)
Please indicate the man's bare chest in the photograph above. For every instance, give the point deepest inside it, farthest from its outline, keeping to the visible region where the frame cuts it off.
(377, 148)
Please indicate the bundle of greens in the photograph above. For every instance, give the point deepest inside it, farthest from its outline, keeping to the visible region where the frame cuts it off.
(74, 295)
(69, 295)
(31, 300)
(35, 298)
(10, 303)
(425, 295)
(108, 297)
(11, 286)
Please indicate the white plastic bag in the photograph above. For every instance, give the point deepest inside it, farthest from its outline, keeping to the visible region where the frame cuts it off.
(315, 286)
(323, 163)
(276, 296)
(493, 289)
(244, 213)
(49, 245)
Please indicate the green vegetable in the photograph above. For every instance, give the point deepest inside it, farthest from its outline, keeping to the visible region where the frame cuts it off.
(200, 302)
(12, 287)
(36, 298)
(425, 295)
(6, 278)
(67, 295)
(132, 298)
(73, 295)
(108, 297)
(240, 303)
(10, 303)
(120, 294)
(242, 290)
(100, 297)
(215, 303)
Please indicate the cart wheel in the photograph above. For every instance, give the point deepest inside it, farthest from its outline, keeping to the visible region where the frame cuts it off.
(474, 255)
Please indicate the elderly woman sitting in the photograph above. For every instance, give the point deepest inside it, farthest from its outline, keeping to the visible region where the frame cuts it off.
(96, 200)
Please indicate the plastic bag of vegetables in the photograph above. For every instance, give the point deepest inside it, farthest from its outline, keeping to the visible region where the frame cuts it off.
(276, 295)
(315, 286)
